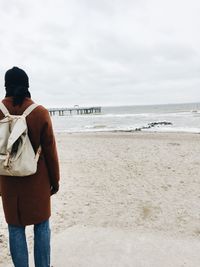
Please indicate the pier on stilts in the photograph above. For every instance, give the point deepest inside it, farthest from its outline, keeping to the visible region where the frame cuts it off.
(74, 111)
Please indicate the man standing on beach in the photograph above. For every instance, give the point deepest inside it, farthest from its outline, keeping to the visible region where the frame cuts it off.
(26, 200)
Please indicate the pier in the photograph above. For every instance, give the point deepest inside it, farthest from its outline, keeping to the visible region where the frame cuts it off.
(75, 110)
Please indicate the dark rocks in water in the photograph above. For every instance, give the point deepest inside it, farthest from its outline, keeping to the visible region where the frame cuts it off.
(153, 124)
(137, 129)
(149, 125)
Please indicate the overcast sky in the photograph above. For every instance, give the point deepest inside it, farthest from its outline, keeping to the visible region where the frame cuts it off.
(103, 52)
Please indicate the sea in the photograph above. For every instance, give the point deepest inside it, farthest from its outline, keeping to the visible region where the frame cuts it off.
(161, 118)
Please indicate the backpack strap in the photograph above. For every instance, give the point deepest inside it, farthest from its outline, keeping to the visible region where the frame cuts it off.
(26, 113)
(4, 109)
(30, 109)
(38, 153)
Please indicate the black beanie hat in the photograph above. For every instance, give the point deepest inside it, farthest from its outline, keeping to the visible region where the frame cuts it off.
(16, 77)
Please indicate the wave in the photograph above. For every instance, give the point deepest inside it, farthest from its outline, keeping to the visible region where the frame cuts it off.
(97, 126)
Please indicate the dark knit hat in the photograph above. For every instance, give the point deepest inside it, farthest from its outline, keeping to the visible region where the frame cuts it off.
(16, 77)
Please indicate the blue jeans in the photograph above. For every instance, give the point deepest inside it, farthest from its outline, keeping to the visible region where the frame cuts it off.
(19, 249)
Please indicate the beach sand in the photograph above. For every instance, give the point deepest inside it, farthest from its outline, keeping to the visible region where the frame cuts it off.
(125, 199)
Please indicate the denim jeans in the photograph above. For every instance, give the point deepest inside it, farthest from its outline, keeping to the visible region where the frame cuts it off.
(19, 249)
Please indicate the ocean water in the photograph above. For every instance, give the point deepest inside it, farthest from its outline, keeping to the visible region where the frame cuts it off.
(167, 118)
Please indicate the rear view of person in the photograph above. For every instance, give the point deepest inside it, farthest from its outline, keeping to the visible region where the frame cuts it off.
(26, 199)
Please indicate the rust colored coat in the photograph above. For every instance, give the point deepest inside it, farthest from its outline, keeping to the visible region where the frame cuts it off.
(26, 200)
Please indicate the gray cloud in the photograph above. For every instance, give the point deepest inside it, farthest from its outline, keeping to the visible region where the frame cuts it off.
(104, 52)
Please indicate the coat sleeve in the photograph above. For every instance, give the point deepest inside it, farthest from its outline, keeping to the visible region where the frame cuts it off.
(49, 150)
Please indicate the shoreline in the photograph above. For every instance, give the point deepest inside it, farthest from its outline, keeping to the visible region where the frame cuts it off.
(126, 131)
(131, 133)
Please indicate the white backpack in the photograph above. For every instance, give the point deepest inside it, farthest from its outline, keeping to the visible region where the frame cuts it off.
(17, 157)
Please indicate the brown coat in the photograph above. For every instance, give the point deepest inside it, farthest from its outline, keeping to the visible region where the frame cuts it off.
(26, 200)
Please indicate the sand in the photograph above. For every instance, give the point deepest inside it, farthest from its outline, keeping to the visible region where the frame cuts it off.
(126, 199)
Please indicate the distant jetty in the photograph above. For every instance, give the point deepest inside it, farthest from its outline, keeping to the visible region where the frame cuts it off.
(75, 110)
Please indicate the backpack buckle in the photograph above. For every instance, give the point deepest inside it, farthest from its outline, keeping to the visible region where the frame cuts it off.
(7, 160)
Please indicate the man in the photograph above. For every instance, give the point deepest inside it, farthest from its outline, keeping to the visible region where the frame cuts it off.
(26, 200)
